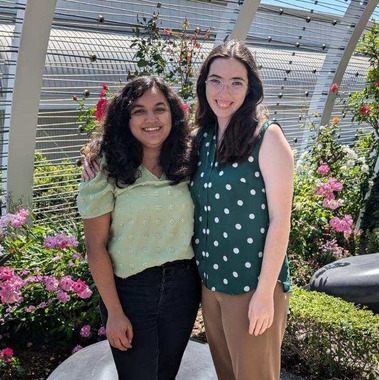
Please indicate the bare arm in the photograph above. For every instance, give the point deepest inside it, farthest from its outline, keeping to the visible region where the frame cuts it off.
(276, 163)
(119, 329)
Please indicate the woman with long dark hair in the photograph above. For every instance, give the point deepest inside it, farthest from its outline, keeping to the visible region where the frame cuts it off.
(242, 191)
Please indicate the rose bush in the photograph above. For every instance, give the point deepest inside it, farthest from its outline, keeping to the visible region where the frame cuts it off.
(331, 181)
(46, 291)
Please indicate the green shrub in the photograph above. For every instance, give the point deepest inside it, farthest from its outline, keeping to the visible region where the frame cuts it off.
(332, 338)
(55, 187)
(46, 290)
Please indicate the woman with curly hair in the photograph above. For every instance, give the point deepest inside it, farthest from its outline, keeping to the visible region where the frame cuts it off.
(138, 223)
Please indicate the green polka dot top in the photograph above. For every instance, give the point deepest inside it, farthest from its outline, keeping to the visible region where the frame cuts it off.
(231, 220)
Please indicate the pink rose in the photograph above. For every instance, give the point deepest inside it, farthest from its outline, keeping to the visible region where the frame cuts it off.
(365, 110)
(185, 107)
(101, 107)
(334, 87)
(323, 169)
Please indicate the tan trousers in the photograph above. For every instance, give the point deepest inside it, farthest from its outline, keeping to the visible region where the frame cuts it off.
(236, 354)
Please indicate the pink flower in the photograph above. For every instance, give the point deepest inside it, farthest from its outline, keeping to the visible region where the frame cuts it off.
(323, 169)
(6, 352)
(19, 218)
(86, 293)
(365, 110)
(51, 284)
(335, 185)
(101, 331)
(342, 225)
(77, 348)
(105, 86)
(102, 93)
(60, 241)
(101, 107)
(66, 283)
(62, 296)
(85, 331)
(6, 273)
(78, 286)
(332, 204)
(185, 107)
(30, 309)
(334, 87)
(167, 31)
(10, 290)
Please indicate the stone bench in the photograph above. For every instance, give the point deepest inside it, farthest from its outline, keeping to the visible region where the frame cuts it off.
(354, 279)
(95, 362)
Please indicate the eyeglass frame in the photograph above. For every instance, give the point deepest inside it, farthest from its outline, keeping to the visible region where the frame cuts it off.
(223, 83)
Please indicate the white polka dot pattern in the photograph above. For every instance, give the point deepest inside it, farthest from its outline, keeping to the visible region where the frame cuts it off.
(232, 202)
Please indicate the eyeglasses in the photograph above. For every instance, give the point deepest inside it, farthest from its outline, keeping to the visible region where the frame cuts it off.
(235, 86)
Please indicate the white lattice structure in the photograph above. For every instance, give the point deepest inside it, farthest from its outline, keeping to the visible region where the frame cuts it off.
(302, 47)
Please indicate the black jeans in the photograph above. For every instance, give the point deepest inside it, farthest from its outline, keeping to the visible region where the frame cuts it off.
(161, 303)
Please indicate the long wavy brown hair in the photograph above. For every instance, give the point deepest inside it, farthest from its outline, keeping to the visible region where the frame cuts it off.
(242, 132)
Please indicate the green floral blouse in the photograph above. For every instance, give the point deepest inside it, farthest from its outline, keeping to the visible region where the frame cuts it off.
(231, 220)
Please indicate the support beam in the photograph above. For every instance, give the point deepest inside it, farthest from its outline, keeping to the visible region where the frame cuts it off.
(239, 25)
(30, 42)
(248, 9)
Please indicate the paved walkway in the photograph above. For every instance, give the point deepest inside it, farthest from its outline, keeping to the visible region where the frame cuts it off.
(95, 362)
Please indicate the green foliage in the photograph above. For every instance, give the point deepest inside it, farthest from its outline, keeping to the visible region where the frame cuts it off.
(364, 104)
(55, 186)
(168, 52)
(321, 197)
(373, 241)
(331, 337)
(52, 293)
(364, 107)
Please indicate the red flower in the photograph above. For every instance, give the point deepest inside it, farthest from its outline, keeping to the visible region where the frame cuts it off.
(334, 87)
(102, 93)
(185, 107)
(377, 84)
(6, 352)
(105, 86)
(365, 110)
(101, 107)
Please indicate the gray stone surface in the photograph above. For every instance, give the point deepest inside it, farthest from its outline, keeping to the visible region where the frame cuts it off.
(354, 279)
(95, 362)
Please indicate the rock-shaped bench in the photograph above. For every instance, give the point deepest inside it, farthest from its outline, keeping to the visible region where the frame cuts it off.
(354, 279)
(95, 362)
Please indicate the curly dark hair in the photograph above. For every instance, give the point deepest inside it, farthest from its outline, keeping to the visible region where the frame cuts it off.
(124, 153)
(242, 132)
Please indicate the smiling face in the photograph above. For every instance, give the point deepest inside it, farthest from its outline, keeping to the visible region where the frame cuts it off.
(227, 99)
(150, 119)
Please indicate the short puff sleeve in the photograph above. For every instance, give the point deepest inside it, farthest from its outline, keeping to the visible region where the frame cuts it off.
(96, 196)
